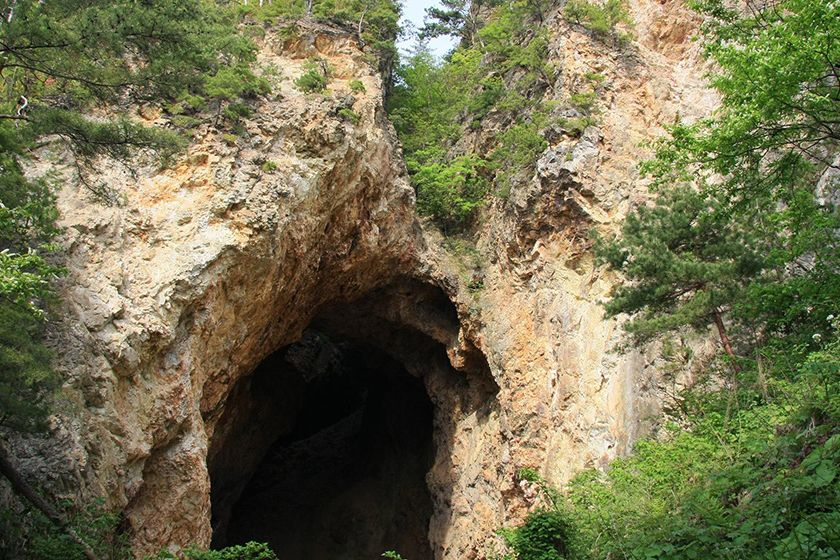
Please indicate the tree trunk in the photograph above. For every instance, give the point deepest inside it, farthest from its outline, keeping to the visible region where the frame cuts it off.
(724, 340)
(25, 490)
(762, 378)
(736, 369)
(361, 25)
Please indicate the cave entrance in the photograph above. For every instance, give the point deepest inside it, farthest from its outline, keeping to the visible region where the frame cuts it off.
(346, 479)
(323, 451)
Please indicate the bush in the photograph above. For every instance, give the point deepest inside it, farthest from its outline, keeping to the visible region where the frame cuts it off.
(357, 86)
(249, 551)
(185, 121)
(452, 191)
(601, 20)
(545, 535)
(315, 77)
(349, 115)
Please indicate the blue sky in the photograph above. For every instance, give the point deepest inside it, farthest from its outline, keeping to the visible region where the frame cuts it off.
(413, 11)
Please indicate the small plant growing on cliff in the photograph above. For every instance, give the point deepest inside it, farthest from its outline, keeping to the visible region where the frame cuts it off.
(393, 555)
(601, 20)
(349, 115)
(356, 86)
(269, 167)
(229, 85)
(315, 77)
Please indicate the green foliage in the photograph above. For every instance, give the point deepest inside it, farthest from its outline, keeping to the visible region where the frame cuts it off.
(185, 121)
(544, 536)
(248, 551)
(315, 77)
(519, 147)
(27, 216)
(737, 239)
(28, 534)
(26, 379)
(500, 71)
(686, 261)
(378, 20)
(584, 102)
(61, 58)
(234, 82)
(764, 484)
(349, 115)
(529, 474)
(392, 555)
(269, 167)
(357, 86)
(454, 18)
(602, 20)
(451, 191)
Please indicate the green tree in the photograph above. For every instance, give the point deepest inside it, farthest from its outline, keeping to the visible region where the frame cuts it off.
(686, 263)
(600, 19)
(502, 72)
(456, 18)
(746, 229)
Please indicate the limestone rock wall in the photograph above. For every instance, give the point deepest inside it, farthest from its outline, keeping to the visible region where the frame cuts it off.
(571, 399)
(206, 268)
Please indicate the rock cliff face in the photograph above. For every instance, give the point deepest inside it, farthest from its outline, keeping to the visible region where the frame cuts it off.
(317, 266)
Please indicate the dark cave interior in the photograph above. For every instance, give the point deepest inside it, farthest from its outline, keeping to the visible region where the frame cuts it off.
(346, 479)
(323, 450)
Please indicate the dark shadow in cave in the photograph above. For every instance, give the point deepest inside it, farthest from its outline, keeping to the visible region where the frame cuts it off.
(348, 480)
(323, 451)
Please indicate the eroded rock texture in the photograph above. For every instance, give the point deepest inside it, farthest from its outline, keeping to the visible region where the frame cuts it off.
(209, 269)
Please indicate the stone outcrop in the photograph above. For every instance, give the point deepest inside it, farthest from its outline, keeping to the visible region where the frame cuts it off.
(306, 219)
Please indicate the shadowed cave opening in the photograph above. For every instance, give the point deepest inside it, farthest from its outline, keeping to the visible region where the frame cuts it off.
(323, 451)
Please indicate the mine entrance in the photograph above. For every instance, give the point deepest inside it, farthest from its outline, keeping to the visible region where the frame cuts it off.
(323, 451)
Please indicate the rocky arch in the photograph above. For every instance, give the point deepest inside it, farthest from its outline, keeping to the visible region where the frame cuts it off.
(341, 444)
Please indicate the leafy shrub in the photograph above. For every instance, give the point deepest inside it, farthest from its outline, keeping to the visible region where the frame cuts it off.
(356, 86)
(500, 73)
(98, 527)
(583, 102)
(249, 551)
(577, 125)
(315, 76)
(451, 191)
(185, 121)
(233, 82)
(236, 111)
(269, 167)
(349, 115)
(601, 20)
(763, 483)
(594, 77)
(545, 535)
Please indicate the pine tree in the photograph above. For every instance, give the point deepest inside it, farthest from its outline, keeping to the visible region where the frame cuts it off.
(743, 223)
(686, 264)
(457, 18)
